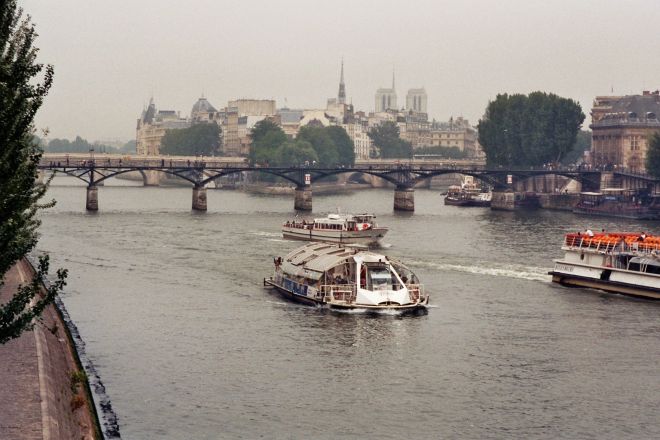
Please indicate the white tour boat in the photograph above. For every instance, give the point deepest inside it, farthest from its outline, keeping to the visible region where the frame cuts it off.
(626, 263)
(346, 278)
(336, 228)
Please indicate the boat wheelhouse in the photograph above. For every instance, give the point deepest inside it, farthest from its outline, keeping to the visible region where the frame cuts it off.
(626, 263)
(336, 228)
(468, 194)
(619, 202)
(347, 278)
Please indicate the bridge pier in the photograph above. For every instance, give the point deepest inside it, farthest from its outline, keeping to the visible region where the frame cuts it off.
(92, 203)
(303, 198)
(404, 198)
(199, 198)
(151, 178)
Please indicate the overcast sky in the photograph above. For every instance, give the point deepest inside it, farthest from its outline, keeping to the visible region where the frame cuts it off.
(111, 56)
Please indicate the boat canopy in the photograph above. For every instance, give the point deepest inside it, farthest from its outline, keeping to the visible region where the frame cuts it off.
(313, 260)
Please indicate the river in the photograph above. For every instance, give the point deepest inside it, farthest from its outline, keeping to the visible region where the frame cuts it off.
(191, 346)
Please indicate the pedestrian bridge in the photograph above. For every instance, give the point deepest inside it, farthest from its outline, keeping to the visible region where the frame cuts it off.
(403, 175)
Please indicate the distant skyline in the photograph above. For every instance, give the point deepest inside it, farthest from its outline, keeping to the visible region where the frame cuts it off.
(111, 57)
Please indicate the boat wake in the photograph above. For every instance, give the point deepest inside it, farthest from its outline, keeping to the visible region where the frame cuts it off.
(529, 273)
(267, 234)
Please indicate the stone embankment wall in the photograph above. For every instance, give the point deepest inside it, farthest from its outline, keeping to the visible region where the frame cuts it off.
(45, 395)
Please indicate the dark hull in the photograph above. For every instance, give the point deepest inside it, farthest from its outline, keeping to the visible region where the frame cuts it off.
(457, 202)
(641, 214)
(288, 294)
(607, 286)
(464, 202)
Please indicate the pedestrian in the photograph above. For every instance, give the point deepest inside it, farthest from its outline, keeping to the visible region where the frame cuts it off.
(589, 233)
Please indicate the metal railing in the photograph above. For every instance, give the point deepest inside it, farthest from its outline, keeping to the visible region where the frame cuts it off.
(416, 292)
(607, 243)
(338, 292)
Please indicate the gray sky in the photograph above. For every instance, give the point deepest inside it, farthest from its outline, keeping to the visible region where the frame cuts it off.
(111, 56)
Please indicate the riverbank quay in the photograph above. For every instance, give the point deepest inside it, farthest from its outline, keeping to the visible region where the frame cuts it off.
(44, 392)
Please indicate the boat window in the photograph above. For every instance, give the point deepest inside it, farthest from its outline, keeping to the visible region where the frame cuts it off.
(380, 278)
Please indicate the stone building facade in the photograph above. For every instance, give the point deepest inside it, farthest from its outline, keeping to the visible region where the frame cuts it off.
(621, 127)
(455, 133)
(152, 126)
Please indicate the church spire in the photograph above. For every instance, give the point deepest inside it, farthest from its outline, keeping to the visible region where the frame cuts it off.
(393, 78)
(341, 96)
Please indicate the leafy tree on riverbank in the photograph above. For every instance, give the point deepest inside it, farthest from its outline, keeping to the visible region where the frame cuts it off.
(386, 137)
(23, 85)
(266, 138)
(322, 146)
(529, 130)
(582, 144)
(653, 156)
(198, 140)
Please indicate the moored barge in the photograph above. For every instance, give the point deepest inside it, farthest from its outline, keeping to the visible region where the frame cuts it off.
(625, 263)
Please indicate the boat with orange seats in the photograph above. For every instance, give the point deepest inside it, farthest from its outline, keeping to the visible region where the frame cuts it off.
(621, 262)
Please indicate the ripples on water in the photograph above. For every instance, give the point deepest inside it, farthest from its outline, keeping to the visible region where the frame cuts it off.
(190, 345)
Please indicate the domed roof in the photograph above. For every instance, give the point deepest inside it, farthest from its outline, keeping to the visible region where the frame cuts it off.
(202, 106)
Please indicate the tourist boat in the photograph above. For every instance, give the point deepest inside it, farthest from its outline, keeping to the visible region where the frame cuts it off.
(626, 263)
(336, 228)
(619, 202)
(347, 277)
(468, 194)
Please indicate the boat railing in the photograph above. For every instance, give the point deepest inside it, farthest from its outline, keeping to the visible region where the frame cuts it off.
(416, 292)
(610, 242)
(338, 292)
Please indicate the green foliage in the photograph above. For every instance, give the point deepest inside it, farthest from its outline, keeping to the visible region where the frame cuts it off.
(324, 146)
(653, 156)
(582, 144)
(521, 130)
(266, 138)
(198, 140)
(23, 85)
(344, 145)
(445, 152)
(78, 378)
(385, 137)
(295, 154)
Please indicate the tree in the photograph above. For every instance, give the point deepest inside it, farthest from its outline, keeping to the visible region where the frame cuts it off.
(266, 137)
(385, 137)
(582, 144)
(521, 130)
(23, 85)
(198, 140)
(295, 154)
(653, 156)
(322, 143)
(343, 144)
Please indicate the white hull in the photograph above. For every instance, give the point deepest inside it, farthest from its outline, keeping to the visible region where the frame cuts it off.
(316, 301)
(610, 279)
(366, 237)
